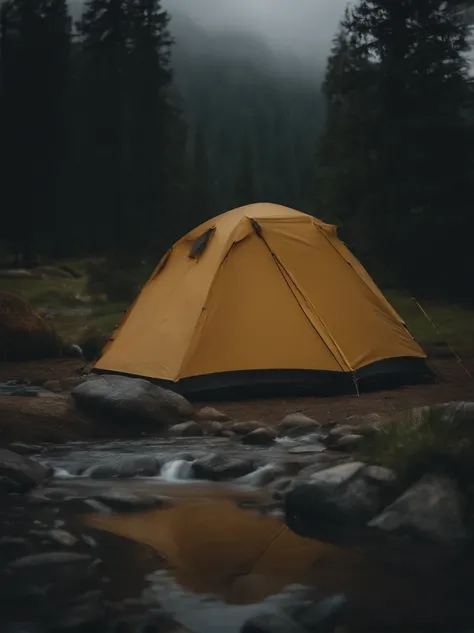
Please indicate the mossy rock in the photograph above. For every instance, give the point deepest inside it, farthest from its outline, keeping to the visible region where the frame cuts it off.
(24, 334)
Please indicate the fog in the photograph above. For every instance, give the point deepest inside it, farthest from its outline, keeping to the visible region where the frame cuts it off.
(303, 28)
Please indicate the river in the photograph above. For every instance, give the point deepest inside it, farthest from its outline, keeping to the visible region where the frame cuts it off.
(208, 554)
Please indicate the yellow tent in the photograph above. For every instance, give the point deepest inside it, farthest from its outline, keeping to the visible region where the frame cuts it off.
(262, 298)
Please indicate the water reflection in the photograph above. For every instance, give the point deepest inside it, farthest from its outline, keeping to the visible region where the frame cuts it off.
(211, 546)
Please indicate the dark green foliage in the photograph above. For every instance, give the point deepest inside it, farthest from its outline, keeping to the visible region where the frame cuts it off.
(394, 160)
(131, 128)
(34, 94)
(428, 439)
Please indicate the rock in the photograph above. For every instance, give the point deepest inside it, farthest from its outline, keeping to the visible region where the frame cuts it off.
(304, 614)
(259, 437)
(336, 503)
(133, 400)
(307, 448)
(91, 342)
(25, 449)
(348, 442)
(320, 615)
(186, 429)
(432, 510)
(125, 467)
(24, 334)
(279, 487)
(243, 428)
(15, 273)
(68, 384)
(218, 467)
(121, 502)
(209, 414)
(296, 424)
(86, 610)
(52, 385)
(272, 623)
(19, 473)
(62, 537)
(72, 350)
(50, 559)
(50, 272)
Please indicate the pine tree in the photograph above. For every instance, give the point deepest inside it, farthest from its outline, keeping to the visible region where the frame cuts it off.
(105, 33)
(409, 168)
(136, 134)
(34, 71)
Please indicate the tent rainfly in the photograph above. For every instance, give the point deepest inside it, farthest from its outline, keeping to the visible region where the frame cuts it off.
(263, 300)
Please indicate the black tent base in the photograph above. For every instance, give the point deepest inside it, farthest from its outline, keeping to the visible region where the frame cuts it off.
(243, 385)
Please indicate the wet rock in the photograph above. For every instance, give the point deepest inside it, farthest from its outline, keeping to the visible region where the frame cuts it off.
(186, 429)
(348, 442)
(83, 611)
(272, 623)
(144, 466)
(320, 615)
(133, 400)
(259, 437)
(279, 487)
(209, 414)
(336, 503)
(121, 502)
(52, 385)
(19, 473)
(25, 449)
(296, 424)
(62, 537)
(304, 615)
(307, 448)
(218, 467)
(50, 559)
(243, 428)
(432, 510)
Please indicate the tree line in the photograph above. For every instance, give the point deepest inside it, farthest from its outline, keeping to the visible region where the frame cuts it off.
(101, 154)
(395, 161)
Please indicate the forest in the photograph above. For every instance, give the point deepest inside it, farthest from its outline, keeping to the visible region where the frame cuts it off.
(122, 129)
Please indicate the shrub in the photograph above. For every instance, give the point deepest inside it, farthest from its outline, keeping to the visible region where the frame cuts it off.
(439, 438)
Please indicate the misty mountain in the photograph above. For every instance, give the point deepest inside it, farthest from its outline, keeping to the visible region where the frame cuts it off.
(239, 92)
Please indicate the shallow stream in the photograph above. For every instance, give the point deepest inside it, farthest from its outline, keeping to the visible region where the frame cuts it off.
(209, 553)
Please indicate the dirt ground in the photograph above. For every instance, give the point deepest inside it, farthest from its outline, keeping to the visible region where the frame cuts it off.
(456, 385)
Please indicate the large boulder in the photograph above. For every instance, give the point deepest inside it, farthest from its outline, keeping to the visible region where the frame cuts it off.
(19, 473)
(355, 505)
(432, 510)
(337, 502)
(133, 400)
(24, 334)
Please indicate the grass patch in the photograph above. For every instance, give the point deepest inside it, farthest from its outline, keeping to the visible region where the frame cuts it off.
(66, 304)
(455, 323)
(439, 438)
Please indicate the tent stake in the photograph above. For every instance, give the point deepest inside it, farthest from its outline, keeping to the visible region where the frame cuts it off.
(443, 338)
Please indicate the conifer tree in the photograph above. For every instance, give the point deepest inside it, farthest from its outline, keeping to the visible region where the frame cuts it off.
(34, 82)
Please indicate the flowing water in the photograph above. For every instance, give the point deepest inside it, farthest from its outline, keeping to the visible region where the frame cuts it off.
(219, 551)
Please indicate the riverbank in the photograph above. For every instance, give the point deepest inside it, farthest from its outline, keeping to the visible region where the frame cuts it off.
(57, 419)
